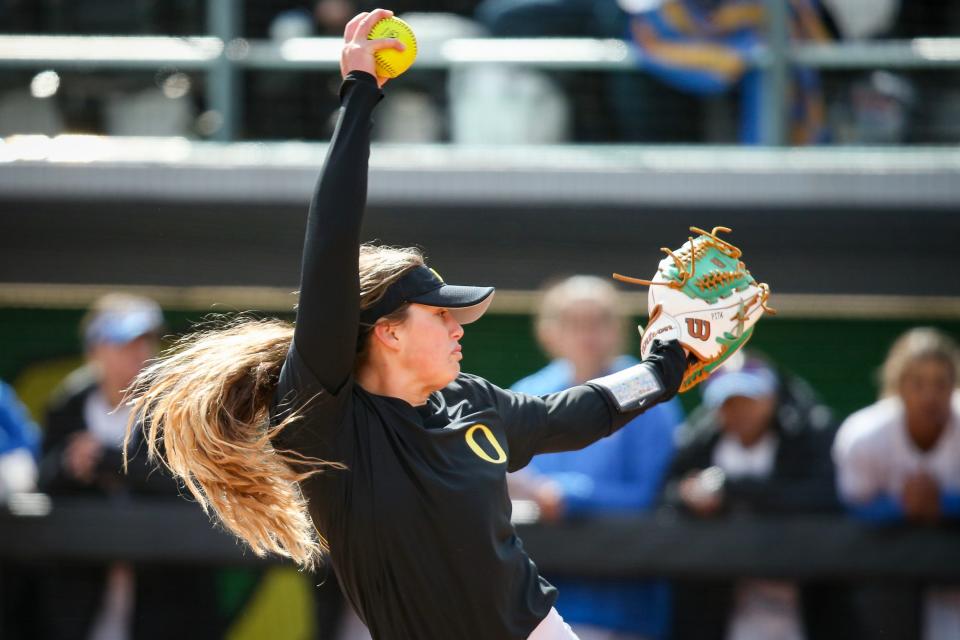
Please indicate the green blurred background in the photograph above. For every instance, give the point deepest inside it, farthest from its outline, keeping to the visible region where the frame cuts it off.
(839, 357)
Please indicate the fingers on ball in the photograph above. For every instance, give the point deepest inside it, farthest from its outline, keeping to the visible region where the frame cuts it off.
(387, 43)
(372, 18)
(350, 30)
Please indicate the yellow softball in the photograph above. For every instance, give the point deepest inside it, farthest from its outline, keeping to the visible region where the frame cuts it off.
(390, 62)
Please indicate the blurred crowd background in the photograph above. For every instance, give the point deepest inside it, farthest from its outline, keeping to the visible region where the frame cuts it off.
(844, 409)
(702, 83)
(756, 440)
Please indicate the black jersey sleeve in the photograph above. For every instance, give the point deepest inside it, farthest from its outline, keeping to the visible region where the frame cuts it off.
(563, 421)
(327, 321)
(313, 382)
(574, 418)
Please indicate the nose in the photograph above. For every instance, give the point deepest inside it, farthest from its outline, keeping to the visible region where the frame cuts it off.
(455, 328)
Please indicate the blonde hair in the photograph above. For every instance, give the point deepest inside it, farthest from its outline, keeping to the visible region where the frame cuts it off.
(380, 267)
(920, 343)
(560, 297)
(204, 409)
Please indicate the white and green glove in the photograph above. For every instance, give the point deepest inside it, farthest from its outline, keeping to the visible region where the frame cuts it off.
(702, 296)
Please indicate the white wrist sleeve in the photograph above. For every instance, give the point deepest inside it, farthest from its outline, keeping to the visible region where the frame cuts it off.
(631, 388)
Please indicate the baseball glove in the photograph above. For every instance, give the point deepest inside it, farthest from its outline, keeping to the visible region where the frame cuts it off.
(703, 296)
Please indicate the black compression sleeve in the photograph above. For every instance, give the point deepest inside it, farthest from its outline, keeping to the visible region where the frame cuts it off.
(328, 313)
(563, 421)
(580, 415)
(585, 413)
(576, 417)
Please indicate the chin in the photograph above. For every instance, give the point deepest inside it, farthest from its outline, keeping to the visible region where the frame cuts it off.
(454, 372)
(441, 381)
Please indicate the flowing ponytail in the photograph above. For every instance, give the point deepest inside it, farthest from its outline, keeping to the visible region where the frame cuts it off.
(203, 407)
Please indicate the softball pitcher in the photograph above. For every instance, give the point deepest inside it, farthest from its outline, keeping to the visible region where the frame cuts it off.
(355, 433)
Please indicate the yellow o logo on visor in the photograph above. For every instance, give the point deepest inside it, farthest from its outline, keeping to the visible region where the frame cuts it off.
(483, 455)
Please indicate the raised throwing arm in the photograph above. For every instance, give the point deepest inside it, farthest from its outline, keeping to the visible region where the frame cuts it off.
(328, 313)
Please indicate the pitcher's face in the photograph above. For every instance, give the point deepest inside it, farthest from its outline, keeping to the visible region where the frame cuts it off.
(430, 344)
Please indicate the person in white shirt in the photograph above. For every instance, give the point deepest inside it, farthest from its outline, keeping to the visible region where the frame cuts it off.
(898, 460)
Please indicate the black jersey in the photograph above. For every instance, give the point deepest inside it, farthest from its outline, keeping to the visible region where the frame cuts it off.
(419, 521)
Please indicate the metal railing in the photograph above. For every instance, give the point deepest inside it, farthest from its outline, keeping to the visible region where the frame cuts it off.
(222, 55)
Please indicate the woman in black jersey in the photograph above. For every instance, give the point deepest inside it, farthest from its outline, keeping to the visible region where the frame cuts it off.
(354, 432)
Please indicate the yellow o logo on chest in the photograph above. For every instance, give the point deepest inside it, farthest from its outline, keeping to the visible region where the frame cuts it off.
(483, 455)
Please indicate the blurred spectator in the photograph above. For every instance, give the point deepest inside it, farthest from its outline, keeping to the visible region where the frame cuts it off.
(704, 47)
(883, 107)
(877, 106)
(82, 455)
(642, 108)
(934, 117)
(759, 444)
(581, 326)
(86, 422)
(876, 109)
(898, 460)
(19, 445)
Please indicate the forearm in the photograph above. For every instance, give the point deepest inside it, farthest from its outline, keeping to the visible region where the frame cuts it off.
(575, 418)
(585, 413)
(632, 391)
(328, 310)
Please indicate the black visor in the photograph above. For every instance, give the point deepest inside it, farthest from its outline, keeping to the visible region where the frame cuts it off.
(423, 285)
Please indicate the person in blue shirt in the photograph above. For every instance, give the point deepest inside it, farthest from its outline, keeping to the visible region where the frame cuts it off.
(581, 326)
(703, 47)
(19, 444)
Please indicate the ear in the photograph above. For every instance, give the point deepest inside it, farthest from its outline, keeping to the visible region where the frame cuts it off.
(386, 335)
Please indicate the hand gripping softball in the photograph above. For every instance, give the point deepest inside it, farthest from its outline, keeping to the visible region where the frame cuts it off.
(703, 296)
